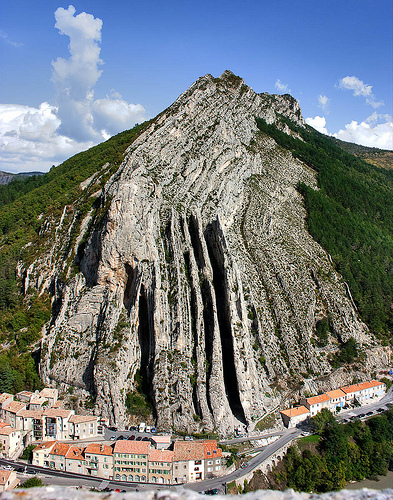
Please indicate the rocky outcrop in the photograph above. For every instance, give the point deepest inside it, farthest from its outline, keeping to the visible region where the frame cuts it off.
(201, 279)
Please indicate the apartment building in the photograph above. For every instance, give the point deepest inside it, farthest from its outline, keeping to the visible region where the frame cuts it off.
(160, 466)
(131, 460)
(82, 426)
(41, 453)
(10, 440)
(99, 460)
(188, 461)
(74, 460)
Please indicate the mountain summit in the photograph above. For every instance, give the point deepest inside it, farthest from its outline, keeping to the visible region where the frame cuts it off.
(190, 276)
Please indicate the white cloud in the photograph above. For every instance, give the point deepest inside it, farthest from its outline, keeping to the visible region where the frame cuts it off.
(282, 87)
(7, 40)
(360, 89)
(113, 114)
(369, 132)
(29, 138)
(319, 123)
(36, 138)
(323, 102)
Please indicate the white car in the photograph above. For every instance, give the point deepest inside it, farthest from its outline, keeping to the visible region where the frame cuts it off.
(148, 428)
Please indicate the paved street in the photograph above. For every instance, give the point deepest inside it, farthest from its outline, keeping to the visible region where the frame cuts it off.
(68, 479)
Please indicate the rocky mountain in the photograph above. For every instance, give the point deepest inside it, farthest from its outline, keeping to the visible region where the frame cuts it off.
(6, 177)
(188, 272)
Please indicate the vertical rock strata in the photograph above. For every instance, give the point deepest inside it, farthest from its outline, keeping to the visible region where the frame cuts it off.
(202, 277)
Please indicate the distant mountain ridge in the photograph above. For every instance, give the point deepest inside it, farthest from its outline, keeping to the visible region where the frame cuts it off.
(7, 177)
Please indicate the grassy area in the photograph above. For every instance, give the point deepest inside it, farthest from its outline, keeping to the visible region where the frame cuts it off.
(266, 422)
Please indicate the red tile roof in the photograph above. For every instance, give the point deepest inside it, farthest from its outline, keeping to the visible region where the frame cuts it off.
(337, 393)
(317, 399)
(295, 412)
(160, 455)
(350, 388)
(45, 446)
(134, 447)
(211, 446)
(79, 419)
(188, 450)
(99, 449)
(55, 412)
(74, 453)
(4, 476)
(15, 406)
(60, 449)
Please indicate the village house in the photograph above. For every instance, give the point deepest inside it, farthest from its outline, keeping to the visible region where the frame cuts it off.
(8, 480)
(74, 460)
(10, 411)
(83, 426)
(212, 459)
(294, 416)
(188, 461)
(5, 400)
(55, 423)
(160, 466)
(337, 400)
(316, 403)
(99, 460)
(131, 460)
(41, 453)
(11, 441)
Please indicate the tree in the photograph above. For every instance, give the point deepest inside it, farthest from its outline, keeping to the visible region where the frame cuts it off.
(32, 482)
(321, 420)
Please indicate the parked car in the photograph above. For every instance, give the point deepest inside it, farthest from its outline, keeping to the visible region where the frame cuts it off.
(113, 438)
(139, 438)
(7, 467)
(113, 429)
(148, 428)
(131, 438)
(244, 466)
(370, 413)
(119, 437)
(153, 430)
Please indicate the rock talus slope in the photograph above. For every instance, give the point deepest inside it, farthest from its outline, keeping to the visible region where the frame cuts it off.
(202, 280)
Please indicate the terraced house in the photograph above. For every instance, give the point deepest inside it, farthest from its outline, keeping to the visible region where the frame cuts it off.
(131, 461)
(99, 460)
(160, 466)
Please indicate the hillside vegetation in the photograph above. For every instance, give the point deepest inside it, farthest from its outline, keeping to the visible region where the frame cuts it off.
(25, 205)
(351, 216)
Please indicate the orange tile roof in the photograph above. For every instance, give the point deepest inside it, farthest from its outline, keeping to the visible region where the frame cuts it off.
(295, 412)
(99, 449)
(337, 393)
(15, 406)
(318, 399)
(55, 412)
(188, 450)
(31, 413)
(5, 396)
(6, 431)
(4, 476)
(160, 455)
(350, 388)
(45, 446)
(4, 424)
(79, 419)
(211, 445)
(60, 449)
(74, 453)
(47, 392)
(135, 447)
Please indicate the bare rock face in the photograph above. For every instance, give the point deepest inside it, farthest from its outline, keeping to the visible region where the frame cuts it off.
(202, 276)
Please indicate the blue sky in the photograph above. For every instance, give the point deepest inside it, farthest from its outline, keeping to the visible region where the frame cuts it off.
(118, 63)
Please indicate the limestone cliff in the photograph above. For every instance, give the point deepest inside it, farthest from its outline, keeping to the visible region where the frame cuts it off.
(201, 275)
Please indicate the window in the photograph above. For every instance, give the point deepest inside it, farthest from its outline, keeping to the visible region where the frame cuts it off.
(210, 469)
(210, 462)
(208, 453)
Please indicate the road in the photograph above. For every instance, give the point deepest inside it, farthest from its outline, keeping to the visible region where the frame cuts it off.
(65, 479)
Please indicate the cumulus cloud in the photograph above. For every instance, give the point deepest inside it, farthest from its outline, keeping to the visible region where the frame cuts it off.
(29, 138)
(376, 131)
(323, 102)
(360, 89)
(319, 123)
(282, 87)
(36, 138)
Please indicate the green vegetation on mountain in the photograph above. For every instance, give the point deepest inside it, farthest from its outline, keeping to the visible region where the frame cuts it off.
(26, 206)
(351, 216)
